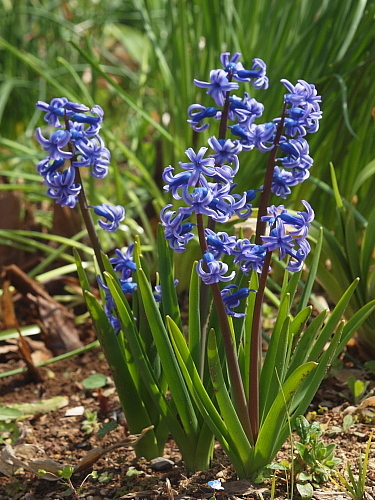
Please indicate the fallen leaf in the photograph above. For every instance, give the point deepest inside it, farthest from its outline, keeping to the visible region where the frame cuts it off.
(33, 458)
(61, 334)
(98, 452)
(367, 402)
(29, 457)
(45, 406)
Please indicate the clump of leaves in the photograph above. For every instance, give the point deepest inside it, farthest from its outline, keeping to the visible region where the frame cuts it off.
(355, 486)
(104, 477)
(314, 461)
(66, 473)
(9, 432)
(90, 424)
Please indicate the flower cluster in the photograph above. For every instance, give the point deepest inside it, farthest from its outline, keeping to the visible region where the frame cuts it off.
(302, 117)
(77, 130)
(204, 188)
(288, 234)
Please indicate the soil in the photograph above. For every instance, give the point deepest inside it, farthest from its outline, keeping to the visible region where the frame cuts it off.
(63, 440)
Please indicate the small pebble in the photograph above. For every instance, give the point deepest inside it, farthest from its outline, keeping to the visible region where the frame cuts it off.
(161, 463)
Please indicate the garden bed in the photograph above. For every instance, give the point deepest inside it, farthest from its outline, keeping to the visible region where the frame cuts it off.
(63, 440)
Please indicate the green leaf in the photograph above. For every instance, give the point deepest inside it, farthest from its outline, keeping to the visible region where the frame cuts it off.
(94, 381)
(66, 472)
(332, 321)
(143, 364)
(227, 410)
(127, 389)
(171, 369)
(204, 401)
(194, 325)
(84, 282)
(335, 186)
(306, 292)
(245, 365)
(9, 413)
(311, 383)
(109, 426)
(166, 274)
(367, 247)
(299, 322)
(364, 174)
(305, 490)
(306, 342)
(267, 442)
(353, 253)
(275, 358)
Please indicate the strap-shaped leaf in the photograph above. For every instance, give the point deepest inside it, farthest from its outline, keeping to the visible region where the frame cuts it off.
(354, 323)
(273, 368)
(85, 285)
(245, 367)
(223, 399)
(306, 341)
(274, 357)
(171, 369)
(168, 290)
(276, 416)
(143, 363)
(353, 254)
(306, 292)
(332, 321)
(129, 395)
(204, 402)
(194, 325)
(368, 245)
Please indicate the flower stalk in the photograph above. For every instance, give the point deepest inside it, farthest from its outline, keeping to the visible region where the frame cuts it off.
(255, 345)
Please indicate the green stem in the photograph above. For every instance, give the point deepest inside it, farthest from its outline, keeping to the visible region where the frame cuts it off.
(255, 344)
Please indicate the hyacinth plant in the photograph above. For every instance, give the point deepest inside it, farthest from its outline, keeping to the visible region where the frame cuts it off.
(205, 377)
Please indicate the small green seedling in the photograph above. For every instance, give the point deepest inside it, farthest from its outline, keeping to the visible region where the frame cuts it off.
(90, 424)
(347, 423)
(109, 426)
(132, 471)
(357, 389)
(9, 432)
(105, 477)
(65, 474)
(355, 486)
(314, 461)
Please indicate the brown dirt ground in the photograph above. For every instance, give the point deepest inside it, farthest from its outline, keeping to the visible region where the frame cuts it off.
(65, 442)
